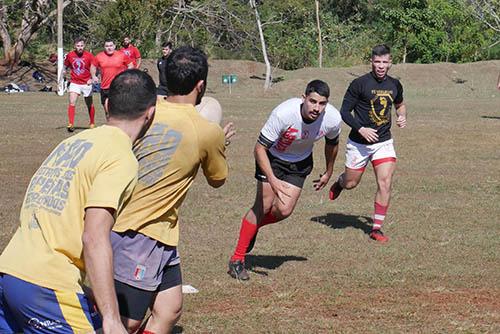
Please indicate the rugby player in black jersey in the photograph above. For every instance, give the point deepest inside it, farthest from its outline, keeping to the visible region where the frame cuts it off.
(367, 110)
(161, 64)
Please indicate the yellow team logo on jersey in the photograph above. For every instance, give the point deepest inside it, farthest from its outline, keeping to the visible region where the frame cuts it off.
(381, 107)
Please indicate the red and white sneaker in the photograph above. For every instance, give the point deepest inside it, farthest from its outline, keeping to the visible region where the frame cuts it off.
(335, 191)
(377, 235)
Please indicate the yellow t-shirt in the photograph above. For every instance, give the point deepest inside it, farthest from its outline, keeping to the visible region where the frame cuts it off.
(178, 142)
(95, 168)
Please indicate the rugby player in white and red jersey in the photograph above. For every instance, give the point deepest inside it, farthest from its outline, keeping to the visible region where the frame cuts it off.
(371, 97)
(79, 62)
(283, 155)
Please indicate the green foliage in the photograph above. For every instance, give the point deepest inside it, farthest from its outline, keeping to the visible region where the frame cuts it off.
(118, 19)
(346, 43)
(290, 50)
(466, 39)
(293, 38)
(422, 31)
(419, 31)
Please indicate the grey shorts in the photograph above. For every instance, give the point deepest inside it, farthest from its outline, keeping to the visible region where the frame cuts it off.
(140, 261)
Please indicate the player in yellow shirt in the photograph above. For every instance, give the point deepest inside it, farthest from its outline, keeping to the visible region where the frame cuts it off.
(146, 233)
(66, 218)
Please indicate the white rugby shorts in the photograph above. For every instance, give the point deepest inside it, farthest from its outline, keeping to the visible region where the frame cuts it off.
(85, 90)
(358, 155)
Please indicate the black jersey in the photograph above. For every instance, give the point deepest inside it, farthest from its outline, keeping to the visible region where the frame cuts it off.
(372, 100)
(162, 70)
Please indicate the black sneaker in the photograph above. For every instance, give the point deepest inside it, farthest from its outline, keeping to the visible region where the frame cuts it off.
(70, 127)
(237, 270)
(335, 191)
(252, 243)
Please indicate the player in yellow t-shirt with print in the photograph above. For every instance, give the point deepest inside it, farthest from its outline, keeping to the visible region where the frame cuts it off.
(66, 218)
(146, 233)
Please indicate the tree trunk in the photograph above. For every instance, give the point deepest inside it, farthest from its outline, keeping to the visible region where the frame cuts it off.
(4, 34)
(35, 15)
(30, 23)
(320, 41)
(405, 51)
(268, 82)
(158, 36)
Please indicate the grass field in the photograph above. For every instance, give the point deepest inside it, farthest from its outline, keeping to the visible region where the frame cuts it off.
(318, 272)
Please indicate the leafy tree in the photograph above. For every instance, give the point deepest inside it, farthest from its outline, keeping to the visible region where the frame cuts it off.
(434, 30)
(417, 30)
(29, 25)
(19, 22)
(405, 21)
(465, 38)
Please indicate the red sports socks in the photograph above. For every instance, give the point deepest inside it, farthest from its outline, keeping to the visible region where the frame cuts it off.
(379, 216)
(247, 232)
(71, 114)
(269, 218)
(92, 114)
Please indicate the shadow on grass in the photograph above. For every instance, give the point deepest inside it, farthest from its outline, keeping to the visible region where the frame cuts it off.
(339, 221)
(490, 117)
(76, 127)
(268, 262)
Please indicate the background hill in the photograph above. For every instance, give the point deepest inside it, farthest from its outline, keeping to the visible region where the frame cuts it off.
(440, 79)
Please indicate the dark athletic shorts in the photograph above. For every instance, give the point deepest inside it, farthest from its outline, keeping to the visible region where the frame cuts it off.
(291, 172)
(104, 95)
(134, 302)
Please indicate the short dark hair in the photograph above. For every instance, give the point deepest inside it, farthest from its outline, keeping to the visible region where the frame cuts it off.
(167, 45)
(319, 87)
(109, 40)
(131, 93)
(186, 66)
(381, 50)
(78, 40)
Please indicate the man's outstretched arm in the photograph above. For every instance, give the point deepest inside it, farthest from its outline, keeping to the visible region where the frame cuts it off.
(331, 150)
(98, 256)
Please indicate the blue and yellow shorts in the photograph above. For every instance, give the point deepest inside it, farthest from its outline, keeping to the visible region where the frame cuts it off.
(30, 308)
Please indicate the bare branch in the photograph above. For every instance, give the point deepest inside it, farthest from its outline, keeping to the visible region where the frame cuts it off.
(486, 11)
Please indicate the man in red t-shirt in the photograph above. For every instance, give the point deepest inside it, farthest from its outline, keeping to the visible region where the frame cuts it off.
(79, 62)
(131, 52)
(111, 63)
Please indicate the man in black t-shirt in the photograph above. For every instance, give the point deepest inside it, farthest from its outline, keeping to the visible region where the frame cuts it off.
(166, 50)
(367, 110)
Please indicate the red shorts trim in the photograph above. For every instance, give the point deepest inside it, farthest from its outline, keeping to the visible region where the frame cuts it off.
(377, 162)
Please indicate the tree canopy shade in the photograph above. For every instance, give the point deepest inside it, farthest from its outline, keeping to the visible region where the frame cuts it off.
(422, 31)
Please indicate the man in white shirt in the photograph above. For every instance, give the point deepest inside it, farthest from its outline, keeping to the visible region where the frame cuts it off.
(283, 155)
